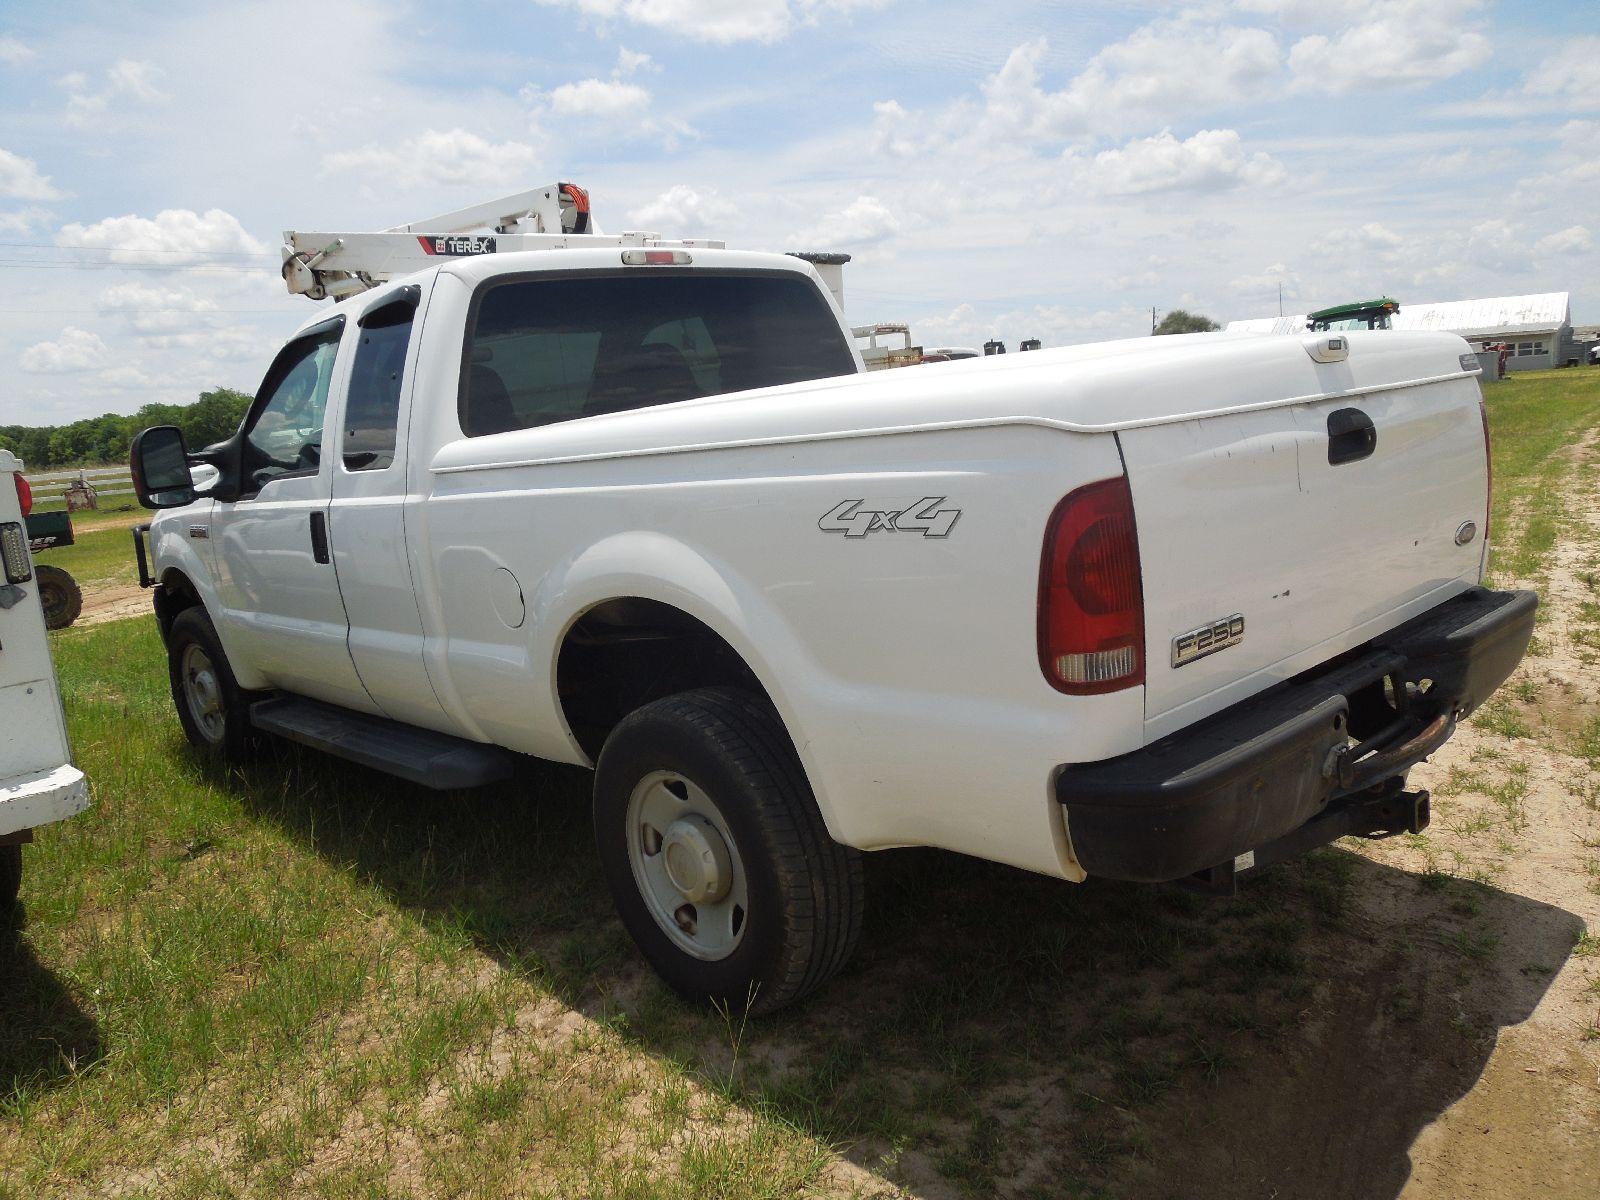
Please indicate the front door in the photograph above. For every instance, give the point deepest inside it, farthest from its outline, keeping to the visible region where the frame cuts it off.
(275, 577)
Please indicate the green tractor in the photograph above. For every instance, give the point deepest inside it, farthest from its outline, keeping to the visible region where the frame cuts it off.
(59, 593)
(1364, 314)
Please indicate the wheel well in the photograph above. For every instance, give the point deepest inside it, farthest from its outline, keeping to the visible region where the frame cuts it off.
(173, 594)
(626, 652)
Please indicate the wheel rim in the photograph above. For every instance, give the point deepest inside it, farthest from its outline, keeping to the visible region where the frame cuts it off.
(202, 692)
(53, 599)
(686, 865)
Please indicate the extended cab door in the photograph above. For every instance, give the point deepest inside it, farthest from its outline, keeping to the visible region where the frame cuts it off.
(370, 494)
(274, 567)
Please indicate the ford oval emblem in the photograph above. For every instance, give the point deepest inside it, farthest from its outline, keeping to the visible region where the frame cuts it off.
(1465, 532)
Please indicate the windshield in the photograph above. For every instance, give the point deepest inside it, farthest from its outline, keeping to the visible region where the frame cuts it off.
(557, 348)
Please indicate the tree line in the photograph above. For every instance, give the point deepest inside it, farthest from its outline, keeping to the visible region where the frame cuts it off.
(214, 416)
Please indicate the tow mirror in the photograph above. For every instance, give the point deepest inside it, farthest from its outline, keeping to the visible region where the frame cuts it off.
(159, 463)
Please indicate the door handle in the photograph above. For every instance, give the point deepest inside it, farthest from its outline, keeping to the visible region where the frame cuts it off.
(1351, 436)
(319, 536)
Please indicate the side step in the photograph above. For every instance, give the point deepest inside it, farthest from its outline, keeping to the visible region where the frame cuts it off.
(434, 760)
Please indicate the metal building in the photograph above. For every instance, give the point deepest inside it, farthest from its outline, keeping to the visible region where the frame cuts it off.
(1537, 328)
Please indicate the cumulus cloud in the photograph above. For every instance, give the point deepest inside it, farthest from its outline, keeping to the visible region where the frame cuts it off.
(599, 98)
(1405, 43)
(173, 236)
(1570, 76)
(1156, 73)
(154, 310)
(1573, 240)
(13, 51)
(454, 157)
(683, 210)
(126, 81)
(23, 220)
(866, 220)
(1212, 160)
(718, 21)
(1369, 239)
(20, 179)
(1267, 282)
(73, 350)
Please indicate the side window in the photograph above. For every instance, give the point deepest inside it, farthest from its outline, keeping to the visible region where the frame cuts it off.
(285, 435)
(372, 412)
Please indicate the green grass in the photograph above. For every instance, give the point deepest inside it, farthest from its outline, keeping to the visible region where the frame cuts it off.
(98, 558)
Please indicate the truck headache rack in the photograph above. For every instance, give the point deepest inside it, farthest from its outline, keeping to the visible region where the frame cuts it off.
(557, 217)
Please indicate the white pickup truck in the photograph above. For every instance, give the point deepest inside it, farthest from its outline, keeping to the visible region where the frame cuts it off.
(38, 783)
(1142, 610)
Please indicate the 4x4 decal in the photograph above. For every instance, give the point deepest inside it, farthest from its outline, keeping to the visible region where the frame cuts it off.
(924, 517)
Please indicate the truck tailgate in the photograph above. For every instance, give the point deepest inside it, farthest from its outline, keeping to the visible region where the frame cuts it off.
(1318, 529)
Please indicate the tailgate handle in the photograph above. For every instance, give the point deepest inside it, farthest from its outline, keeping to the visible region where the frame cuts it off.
(1351, 436)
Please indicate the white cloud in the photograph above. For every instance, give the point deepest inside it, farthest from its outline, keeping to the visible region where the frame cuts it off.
(455, 158)
(127, 81)
(23, 220)
(73, 350)
(1212, 160)
(1573, 240)
(865, 221)
(1570, 76)
(1364, 241)
(1405, 43)
(151, 310)
(598, 98)
(173, 236)
(20, 179)
(1158, 72)
(718, 21)
(684, 211)
(1267, 282)
(630, 61)
(13, 51)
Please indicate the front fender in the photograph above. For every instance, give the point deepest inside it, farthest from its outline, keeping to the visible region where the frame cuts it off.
(173, 551)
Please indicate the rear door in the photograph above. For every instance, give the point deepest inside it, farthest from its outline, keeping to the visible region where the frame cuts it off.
(271, 551)
(1319, 524)
(367, 518)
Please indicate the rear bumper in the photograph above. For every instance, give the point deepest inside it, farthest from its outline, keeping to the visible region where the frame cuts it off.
(1264, 771)
(41, 797)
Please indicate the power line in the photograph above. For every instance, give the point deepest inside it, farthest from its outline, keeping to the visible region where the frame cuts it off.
(105, 265)
(136, 249)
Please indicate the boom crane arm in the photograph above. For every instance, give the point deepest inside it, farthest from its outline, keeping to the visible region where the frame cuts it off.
(320, 265)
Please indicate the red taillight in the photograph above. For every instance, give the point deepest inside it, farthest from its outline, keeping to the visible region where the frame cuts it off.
(1091, 597)
(24, 495)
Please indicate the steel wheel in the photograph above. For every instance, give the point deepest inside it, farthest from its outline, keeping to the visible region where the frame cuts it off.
(687, 865)
(202, 692)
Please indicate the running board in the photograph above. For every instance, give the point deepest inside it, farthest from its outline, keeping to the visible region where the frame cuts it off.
(434, 760)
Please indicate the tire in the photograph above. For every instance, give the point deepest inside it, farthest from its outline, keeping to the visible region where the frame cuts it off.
(10, 876)
(59, 595)
(213, 709)
(725, 756)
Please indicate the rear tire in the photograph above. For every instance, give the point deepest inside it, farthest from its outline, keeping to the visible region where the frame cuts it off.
(212, 708)
(10, 876)
(742, 899)
(59, 596)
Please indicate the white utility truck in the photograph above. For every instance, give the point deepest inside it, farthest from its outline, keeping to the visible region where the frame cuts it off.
(38, 783)
(1145, 610)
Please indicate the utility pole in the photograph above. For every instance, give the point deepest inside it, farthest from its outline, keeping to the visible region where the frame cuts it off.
(1152, 320)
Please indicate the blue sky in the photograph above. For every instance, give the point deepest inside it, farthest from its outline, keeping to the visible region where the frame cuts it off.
(997, 169)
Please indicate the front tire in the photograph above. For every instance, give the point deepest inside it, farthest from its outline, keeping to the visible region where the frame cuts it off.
(10, 876)
(59, 596)
(719, 862)
(213, 709)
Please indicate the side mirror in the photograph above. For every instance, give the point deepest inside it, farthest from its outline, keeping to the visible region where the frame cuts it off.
(159, 462)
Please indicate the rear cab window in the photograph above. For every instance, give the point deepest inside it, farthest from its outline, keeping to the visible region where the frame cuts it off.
(372, 409)
(558, 347)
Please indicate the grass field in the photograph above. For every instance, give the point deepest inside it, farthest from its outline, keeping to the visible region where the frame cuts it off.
(305, 979)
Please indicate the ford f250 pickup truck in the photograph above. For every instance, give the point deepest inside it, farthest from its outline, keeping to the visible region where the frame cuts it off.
(1144, 610)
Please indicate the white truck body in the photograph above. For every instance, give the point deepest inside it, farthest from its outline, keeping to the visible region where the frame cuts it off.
(38, 782)
(868, 546)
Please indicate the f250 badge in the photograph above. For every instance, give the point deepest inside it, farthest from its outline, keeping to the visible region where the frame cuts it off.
(1208, 639)
(924, 517)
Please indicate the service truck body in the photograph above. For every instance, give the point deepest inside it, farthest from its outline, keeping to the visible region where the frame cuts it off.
(880, 559)
(38, 782)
